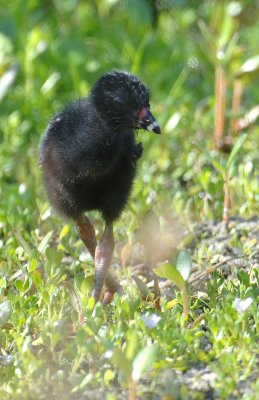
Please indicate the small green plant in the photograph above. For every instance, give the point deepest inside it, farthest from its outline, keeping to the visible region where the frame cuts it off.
(178, 274)
(133, 369)
(226, 169)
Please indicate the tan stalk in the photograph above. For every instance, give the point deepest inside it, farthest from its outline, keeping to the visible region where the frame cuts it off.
(132, 389)
(157, 294)
(236, 105)
(220, 106)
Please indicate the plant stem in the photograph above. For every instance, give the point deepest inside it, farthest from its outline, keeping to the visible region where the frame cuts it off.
(226, 202)
(185, 304)
(156, 293)
(132, 389)
(236, 104)
(209, 271)
(220, 106)
(198, 320)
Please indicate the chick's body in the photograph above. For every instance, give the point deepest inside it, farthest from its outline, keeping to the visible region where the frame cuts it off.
(86, 165)
(88, 157)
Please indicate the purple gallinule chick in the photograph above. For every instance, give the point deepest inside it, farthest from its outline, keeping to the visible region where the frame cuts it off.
(88, 156)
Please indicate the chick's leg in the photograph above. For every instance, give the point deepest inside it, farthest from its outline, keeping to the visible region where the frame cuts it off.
(87, 234)
(103, 259)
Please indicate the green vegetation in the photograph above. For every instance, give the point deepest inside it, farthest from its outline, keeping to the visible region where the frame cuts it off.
(196, 57)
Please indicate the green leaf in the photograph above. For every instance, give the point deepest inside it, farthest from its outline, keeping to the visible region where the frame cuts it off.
(121, 362)
(37, 280)
(5, 311)
(209, 37)
(44, 243)
(19, 285)
(27, 284)
(132, 344)
(184, 264)
(142, 287)
(109, 375)
(219, 167)
(237, 147)
(216, 164)
(227, 29)
(45, 296)
(54, 256)
(171, 273)
(84, 382)
(64, 231)
(33, 265)
(143, 360)
(87, 284)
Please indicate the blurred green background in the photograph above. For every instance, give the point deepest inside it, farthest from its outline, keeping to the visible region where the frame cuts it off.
(51, 52)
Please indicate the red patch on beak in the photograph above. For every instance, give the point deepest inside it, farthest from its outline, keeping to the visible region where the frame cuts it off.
(142, 112)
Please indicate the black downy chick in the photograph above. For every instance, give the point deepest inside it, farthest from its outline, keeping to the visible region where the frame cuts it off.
(88, 156)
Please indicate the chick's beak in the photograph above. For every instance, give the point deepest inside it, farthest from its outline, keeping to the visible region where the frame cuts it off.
(147, 121)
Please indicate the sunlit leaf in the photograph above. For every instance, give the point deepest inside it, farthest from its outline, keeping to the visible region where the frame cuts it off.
(50, 82)
(45, 296)
(108, 376)
(184, 264)
(19, 285)
(33, 265)
(6, 81)
(45, 241)
(143, 361)
(172, 303)
(173, 122)
(84, 382)
(171, 273)
(5, 311)
(250, 66)
(64, 231)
